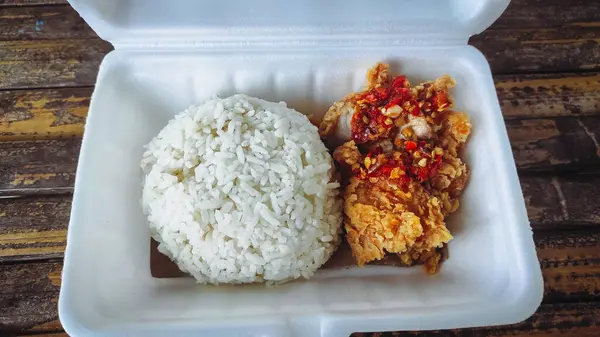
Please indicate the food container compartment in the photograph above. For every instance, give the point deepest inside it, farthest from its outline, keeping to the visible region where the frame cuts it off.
(491, 276)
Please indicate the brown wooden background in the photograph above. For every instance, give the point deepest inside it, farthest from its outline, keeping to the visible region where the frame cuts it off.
(545, 56)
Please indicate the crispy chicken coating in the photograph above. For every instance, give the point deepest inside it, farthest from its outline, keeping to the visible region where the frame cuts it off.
(381, 217)
(400, 164)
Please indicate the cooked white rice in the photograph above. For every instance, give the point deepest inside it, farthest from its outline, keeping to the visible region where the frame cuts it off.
(240, 190)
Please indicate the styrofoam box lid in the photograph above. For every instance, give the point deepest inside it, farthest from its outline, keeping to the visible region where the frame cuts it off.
(139, 22)
(168, 56)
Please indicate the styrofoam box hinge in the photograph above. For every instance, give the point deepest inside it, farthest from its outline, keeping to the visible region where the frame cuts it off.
(253, 43)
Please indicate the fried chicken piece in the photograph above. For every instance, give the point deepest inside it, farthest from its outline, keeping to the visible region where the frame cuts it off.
(336, 123)
(349, 155)
(443, 82)
(435, 93)
(453, 174)
(377, 76)
(400, 166)
(383, 218)
(455, 129)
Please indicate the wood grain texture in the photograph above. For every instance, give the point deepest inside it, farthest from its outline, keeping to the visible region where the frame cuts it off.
(548, 95)
(75, 62)
(557, 202)
(28, 295)
(43, 114)
(562, 49)
(46, 329)
(39, 167)
(60, 112)
(51, 63)
(35, 227)
(551, 320)
(42, 23)
(32, 2)
(71, 62)
(549, 13)
(48, 166)
(557, 143)
(570, 264)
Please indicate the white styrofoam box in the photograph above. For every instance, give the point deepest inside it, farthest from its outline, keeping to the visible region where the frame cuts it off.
(127, 22)
(491, 277)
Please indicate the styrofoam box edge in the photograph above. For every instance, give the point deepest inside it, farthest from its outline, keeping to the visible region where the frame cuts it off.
(107, 288)
(156, 22)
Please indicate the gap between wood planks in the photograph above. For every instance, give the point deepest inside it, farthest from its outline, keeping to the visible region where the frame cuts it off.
(57, 55)
(34, 228)
(521, 96)
(32, 3)
(566, 144)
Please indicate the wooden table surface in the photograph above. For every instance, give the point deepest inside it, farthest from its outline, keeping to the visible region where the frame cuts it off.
(545, 57)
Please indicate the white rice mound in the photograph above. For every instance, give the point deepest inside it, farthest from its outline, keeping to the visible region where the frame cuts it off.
(240, 190)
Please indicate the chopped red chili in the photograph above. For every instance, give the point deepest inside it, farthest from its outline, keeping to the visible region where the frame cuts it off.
(360, 132)
(368, 123)
(400, 82)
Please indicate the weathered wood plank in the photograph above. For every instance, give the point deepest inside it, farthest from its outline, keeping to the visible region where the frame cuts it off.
(46, 329)
(562, 202)
(35, 227)
(42, 167)
(551, 320)
(43, 114)
(50, 63)
(32, 2)
(48, 166)
(60, 112)
(570, 264)
(548, 95)
(43, 23)
(75, 62)
(31, 228)
(561, 49)
(548, 13)
(542, 144)
(28, 295)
